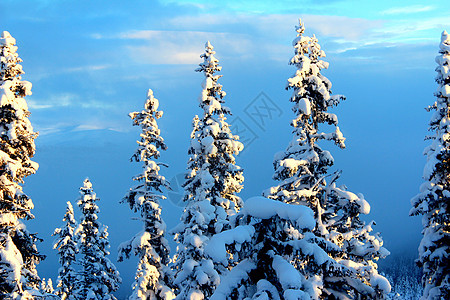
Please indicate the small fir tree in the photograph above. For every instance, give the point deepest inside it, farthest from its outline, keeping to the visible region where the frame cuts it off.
(98, 276)
(46, 288)
(67, 248)
(433, 200)
(18, 252)
(302, 170)
(211, 187)
(153, 277)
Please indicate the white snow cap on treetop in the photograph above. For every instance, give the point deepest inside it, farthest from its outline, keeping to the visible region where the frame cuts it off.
(208, 45)
(87, 184)
(444, 36)
(301, 27)
(445, 41)
(6, 39)
(154, 103)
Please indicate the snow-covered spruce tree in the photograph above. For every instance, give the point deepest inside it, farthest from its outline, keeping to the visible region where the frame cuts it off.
(302, 169)
(67, 248)
(47, 289)
(212, 183)
(97, 277)
(153, 277)
(359, 248)
(18, 252)
(433, 200)
(268, 236)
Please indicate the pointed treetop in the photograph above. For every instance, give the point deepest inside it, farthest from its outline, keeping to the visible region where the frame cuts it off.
(5, 34)
(6, 39)
(209, 52)
(208, 45)
(444, 36)
(445, 41)
(300, 28)
(152, 103)
(69, 206)
(300, 43)
(87, 184)
(209, 66)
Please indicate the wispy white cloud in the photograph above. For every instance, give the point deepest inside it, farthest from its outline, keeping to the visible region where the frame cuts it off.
(410, 31)
(51, 72)
(85, 127)
(86, 68)
(407, 10)
(267, 35)
(65, 100)
(101, 125)
(352, 29)
(274, 24)
(59, 100)
(179, 47)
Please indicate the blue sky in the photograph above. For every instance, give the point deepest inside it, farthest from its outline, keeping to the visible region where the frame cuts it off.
(91, 63)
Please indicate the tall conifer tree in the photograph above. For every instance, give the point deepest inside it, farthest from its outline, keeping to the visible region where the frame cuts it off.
(66, 245)
(302, 171)
(153, 277)
(212, 184)
(433, 200)
(308, 242)
(18, 252)
(98, 277)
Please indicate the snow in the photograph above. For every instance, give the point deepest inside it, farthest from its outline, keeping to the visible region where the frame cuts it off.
(216, 247)
(291, 294)
(7, 96)
(445, 42)
(262, 286)
(8, 218)
(311, 249)
(445, 90)
(380, 282)
(11, 257)
(6, 39)
(210, 191)
(264, 208)
(208, 83)
(233, 279)
(196, 241)
(196, 295)
(364, 205)
(141, 238)
(87, 184)
(208, 145)
(94, 245)
(18, 264)
(288, 276)
(292, 163)
(152, 102)
(304, 106)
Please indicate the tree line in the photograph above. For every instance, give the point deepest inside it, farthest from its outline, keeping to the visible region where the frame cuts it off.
(301, 239)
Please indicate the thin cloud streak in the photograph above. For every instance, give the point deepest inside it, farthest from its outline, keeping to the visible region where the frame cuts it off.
(268, 36)
(59, 100)
(66, 100)
(407, 10)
